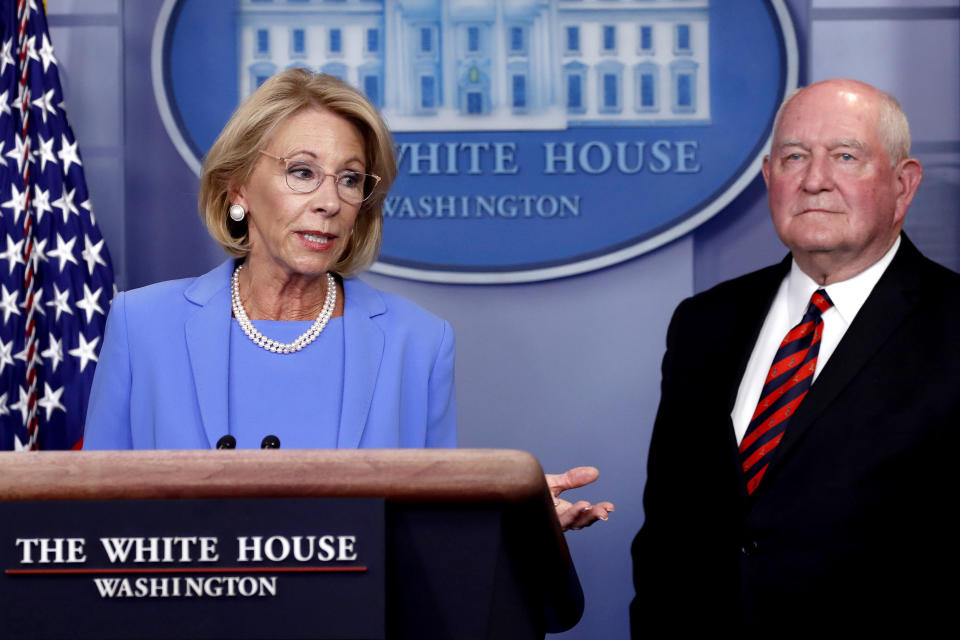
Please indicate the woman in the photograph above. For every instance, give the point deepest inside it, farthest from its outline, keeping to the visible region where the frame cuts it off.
(280, 343)
(292, 189)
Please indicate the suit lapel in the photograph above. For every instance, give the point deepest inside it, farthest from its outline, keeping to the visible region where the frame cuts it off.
(890, 302)
(752, 309)
(363, 351)
(208, 343)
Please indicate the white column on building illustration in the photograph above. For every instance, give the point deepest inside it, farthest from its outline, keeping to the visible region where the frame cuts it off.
(535, 80)
(394, 58)
(665, 54)
(543, 62)
(555, 58)
(703, 78)
(448, 58)
(498, 65)
(276, 46)
(245, 59)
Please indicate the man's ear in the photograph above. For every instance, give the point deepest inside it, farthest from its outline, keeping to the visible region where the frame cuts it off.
(907, 174)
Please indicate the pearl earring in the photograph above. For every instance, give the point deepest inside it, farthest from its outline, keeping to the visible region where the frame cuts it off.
(237, 213)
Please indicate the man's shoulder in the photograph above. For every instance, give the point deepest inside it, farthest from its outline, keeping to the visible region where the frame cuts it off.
(938, 277)
(746, 291)
(911, 274)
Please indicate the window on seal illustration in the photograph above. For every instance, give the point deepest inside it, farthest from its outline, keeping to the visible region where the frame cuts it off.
(263, 42)
(371, 87)
(373, 40)
(474, 102)
(575, 79)
(610, 79)
(645, 81)
(682, 41)
(428, 100)
(683, 79)
(473, 39)
(518, 41)
(335, 42)
(519, 92)
(685, 91)
(573, 39)
(610, 86)
(609, 39)
(260, 72)
(426, 39)
(298, 43)
(646, 40)
(575, 92)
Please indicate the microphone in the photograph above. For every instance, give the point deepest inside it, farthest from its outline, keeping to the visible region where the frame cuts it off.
(270, 442)
(227, 442)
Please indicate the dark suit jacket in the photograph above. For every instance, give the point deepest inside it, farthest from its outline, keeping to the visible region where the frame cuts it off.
(853, 521)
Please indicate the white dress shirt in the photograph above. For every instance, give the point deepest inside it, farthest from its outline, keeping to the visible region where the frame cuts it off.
(787, 310)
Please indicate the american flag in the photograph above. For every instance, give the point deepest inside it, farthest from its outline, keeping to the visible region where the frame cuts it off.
(56, 279)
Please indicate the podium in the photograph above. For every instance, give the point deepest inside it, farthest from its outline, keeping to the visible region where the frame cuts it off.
(191, 544)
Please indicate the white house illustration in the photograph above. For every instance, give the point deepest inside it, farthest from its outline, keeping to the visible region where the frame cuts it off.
(493, 64)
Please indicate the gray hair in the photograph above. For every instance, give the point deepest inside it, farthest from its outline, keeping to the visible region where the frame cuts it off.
(892, 125)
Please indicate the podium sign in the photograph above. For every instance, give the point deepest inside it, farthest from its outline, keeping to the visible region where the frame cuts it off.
(195, 568)
(412, 543)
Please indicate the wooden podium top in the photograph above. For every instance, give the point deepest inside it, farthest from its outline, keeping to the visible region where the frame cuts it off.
(455, 475)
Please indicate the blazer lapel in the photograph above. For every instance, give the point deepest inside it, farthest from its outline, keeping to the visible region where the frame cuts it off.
(362, 354)
(888, 305)
(208, 343)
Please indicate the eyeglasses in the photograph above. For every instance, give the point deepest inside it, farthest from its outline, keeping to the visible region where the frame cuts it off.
(304, 176)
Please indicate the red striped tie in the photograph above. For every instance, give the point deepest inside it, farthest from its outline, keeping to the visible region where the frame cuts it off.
(784, 389)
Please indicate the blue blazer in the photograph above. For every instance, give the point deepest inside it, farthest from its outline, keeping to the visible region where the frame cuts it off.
(161, 380)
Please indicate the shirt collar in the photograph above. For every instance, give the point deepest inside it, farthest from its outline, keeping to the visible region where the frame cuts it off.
(847, 296)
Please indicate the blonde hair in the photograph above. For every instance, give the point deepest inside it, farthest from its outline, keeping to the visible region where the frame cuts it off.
(236, 151)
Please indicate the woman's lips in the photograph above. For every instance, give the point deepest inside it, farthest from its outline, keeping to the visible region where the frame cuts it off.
(316, 239)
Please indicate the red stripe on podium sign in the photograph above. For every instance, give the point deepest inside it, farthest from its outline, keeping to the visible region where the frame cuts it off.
(51, 572)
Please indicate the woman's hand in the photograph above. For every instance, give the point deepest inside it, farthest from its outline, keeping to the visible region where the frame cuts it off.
(580, 514)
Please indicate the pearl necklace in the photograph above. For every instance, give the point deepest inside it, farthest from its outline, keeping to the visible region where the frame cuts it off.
(272, 345)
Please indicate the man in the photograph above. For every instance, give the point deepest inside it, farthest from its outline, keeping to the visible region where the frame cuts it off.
(806, 484)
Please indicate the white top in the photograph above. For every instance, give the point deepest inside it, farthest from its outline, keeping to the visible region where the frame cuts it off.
(787, 309)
